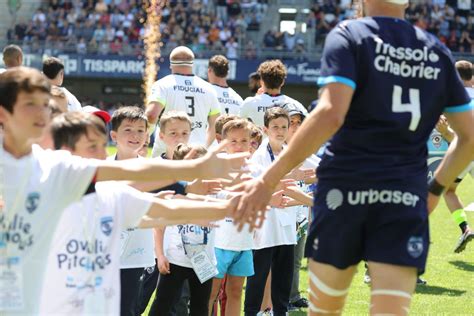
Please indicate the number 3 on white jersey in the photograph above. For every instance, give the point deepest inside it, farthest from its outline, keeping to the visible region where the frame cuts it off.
(413, 107)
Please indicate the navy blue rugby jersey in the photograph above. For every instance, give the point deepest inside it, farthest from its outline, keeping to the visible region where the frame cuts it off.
(403, 78)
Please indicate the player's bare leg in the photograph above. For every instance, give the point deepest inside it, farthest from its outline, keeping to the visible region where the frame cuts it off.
(392, 288)
(328, 288)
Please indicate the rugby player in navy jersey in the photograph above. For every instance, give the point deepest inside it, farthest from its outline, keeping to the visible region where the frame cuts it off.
(386, 83)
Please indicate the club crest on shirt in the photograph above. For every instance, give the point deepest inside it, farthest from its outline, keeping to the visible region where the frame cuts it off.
(436, 140)
(32, 201)
(415, 246)
(106, 225)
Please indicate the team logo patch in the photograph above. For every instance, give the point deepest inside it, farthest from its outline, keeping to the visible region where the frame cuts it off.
(225, 94)
(106, 225)
(436, 140)
(415, 246)
(32, 201)
(334, 199)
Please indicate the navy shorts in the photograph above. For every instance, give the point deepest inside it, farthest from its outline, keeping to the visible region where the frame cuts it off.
(386, 223)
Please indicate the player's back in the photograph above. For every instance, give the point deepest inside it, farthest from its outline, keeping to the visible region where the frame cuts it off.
(229, 100)
(255, 107)
(404, 80)
(190, 94)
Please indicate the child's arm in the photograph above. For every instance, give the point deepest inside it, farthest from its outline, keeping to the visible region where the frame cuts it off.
(210, 166)
(163, 263)
(296, 194)
(176, 211)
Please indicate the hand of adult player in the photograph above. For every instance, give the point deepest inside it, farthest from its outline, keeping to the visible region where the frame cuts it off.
(253, 203)
(216, 164)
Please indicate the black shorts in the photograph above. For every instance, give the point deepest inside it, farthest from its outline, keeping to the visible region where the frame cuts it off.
(385, 223)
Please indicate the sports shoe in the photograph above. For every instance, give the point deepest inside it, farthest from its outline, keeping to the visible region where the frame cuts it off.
(267, 312)
(420, 281)
(367, 278)
(300, 303)
(466, 237)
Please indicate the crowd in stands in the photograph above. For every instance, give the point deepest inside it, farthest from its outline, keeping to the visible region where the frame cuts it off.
(115, 27)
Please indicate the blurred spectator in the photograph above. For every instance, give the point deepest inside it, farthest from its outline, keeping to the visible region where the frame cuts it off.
(232, 49)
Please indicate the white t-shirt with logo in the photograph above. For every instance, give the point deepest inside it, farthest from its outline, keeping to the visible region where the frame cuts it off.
(84, 256)
(38, 188)
(279, 227)
(230, 101)
(194, 235)
(190, 94)
(73, 103)
(137, 246)
(255, 107)
(227, 236)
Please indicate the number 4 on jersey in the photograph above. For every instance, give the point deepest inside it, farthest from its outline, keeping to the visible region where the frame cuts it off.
(413, 107)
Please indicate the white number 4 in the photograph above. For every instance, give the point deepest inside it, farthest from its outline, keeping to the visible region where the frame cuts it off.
(413, 107)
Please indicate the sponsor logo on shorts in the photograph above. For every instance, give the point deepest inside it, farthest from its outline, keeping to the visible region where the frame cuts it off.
(371, 196)
(315, 244)
(334, 199)
(415, 246)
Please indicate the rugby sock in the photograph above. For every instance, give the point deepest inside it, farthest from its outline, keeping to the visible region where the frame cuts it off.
(460, 218)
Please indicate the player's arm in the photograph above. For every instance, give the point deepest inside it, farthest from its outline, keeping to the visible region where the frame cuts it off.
(210, 166)
(460, 152)
(444, 129)
(211, 128)
(153, 112)
(327, 118)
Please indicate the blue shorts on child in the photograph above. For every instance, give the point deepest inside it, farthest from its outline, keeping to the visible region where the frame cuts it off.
(234, 263)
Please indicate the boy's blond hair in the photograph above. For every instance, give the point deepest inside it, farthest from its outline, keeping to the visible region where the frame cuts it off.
(173, 115)
(236, 124)
(222, 120)
(182, 150)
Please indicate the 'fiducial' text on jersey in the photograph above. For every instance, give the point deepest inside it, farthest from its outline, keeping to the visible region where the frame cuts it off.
(229, 100)
(405, 79)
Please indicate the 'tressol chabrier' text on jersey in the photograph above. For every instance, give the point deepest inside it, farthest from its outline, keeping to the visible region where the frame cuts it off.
(405, 80)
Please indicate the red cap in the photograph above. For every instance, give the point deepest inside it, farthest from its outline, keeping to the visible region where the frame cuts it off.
(93, 110)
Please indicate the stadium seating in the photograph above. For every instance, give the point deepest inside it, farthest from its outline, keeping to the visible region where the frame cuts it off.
(237, 28)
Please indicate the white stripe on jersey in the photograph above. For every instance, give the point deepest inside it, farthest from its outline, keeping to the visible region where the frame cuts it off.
(229, 100)
(255, 107)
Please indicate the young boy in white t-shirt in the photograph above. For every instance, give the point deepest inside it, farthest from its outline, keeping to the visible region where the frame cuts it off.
(36, 185)
(233, 249)
(83, 265)
(274, 241)
(129, 132)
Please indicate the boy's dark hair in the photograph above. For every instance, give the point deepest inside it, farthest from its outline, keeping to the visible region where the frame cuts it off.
(222, 120)
(132, 113)
(182, 150)
(272, 73)
(20, 79)
(254, 82)
(464, 69)
(11, 54)
(219, 65)
(174, 115)
(236, 124)
(273, 114)
(52, 66)
(68, 128)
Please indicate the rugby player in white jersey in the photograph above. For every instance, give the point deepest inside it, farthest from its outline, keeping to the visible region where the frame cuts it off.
(217, 71)
(184, 91)
(272, 78)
